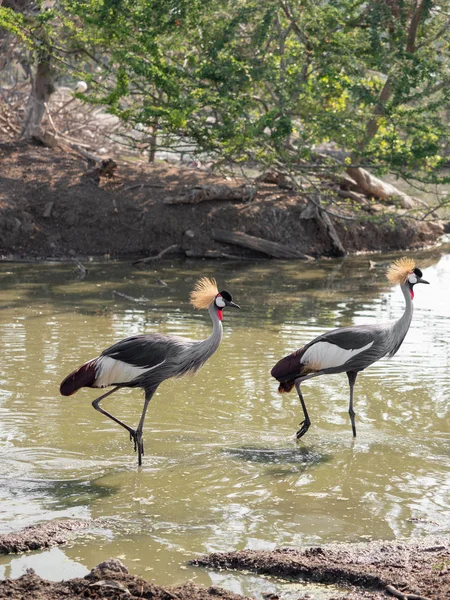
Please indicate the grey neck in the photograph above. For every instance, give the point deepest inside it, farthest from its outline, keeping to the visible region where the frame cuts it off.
(405, 320)
(199, 352)
(400, 327)
(211, 344)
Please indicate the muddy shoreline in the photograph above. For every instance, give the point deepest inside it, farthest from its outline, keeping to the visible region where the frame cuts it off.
(414, 570)
(418, 570)
(109, 579)
(50, 209)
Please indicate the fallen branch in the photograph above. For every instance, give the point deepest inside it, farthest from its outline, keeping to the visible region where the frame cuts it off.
(57, 133)
(141, 185)
(148, 259)
(255, 243)
(373, 186)
(131, 298)
(217, 254)
(277, 178)
(82, 271)
(348, 194)
(403, 596)
(204, 193)
(313, 210)
(100, 167)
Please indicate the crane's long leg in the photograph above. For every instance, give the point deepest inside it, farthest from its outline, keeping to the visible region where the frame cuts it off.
(304, 425)
(96, 405)
(139, 442)
(351, 380)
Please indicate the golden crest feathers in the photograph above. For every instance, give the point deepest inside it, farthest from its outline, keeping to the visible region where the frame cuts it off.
(400, 269)
(204, 292)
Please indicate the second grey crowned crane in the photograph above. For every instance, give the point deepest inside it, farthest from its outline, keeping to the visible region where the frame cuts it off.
(350, 349)
(145, 361)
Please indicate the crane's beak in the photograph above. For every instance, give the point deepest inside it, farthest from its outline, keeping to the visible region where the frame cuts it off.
(233, 305)
(423, 281)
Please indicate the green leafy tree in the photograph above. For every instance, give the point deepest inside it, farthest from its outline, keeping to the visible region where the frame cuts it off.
(278, 84)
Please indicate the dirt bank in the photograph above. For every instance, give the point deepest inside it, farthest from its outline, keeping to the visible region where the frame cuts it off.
(49, 207)
(413, 571)
(109, 579)
(372, 571)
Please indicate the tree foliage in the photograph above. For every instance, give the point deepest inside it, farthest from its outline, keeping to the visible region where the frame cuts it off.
(272, 82)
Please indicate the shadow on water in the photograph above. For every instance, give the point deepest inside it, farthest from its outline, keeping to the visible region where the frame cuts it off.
(278, 456)
(56, 494)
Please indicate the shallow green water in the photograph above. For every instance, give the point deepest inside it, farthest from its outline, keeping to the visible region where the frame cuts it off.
(222, 469)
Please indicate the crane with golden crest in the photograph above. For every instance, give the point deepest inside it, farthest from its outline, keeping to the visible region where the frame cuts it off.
(145, 361)
(350, 349)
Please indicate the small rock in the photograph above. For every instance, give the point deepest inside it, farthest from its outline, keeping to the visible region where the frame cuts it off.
(112, 564)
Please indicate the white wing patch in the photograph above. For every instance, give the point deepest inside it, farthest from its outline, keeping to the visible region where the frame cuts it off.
(324, 355)
(110, 371)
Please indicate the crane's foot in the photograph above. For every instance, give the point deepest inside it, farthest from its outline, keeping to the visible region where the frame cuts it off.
(140, 448)
(304, 426)
(133, 438)
(136, 437)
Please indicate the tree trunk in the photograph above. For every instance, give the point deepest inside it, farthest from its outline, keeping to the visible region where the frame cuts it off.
(153, 144)
(43, 88)
(368, 183)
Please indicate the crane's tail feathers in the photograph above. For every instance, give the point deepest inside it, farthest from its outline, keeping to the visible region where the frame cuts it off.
(84, 376)
(286, 386)
(288, 369)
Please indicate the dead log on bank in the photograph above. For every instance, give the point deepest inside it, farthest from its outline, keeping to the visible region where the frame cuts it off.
(204, 193)
(373, 186)
(255, 243)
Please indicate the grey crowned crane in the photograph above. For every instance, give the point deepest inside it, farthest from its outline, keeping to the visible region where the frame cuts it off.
(145, 361)
(350, 349)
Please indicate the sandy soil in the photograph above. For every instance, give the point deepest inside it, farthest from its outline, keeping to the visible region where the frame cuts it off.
(50, 208)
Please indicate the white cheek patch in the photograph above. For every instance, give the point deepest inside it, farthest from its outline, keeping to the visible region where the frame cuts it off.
(324, 355)
(412, 278)
(220, 302)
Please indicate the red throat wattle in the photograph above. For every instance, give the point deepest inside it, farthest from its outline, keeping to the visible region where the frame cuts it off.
(412, 294)
(219, 314)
